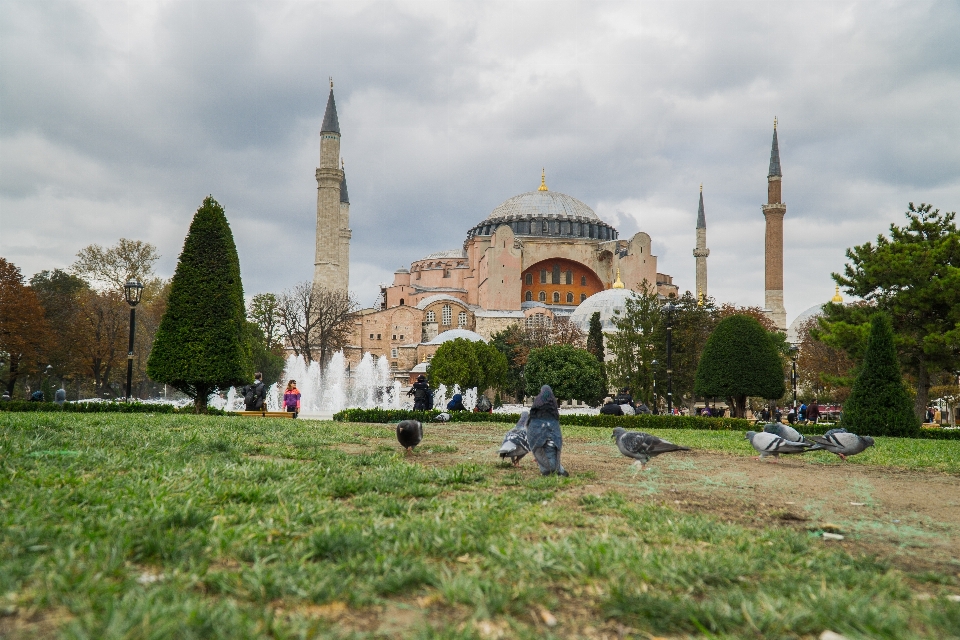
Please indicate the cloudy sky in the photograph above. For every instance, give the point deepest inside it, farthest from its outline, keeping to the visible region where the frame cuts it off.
(116, 119)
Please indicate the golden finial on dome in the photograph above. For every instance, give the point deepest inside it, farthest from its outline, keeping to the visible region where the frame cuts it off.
(543, 180)
(618, 283)
(836, 295)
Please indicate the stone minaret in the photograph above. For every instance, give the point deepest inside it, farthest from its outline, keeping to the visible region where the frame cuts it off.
(701, 252)
(331, 267)
(774, 211)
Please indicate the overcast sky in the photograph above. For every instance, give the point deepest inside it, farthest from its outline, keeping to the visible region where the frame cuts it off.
(116, 119)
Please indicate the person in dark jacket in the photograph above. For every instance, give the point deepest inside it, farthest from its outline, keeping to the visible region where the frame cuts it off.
(813, 412)
(255, 395)
(422, 394)
(610, 408)
(543, 433)
(456, 403)
(624, 397)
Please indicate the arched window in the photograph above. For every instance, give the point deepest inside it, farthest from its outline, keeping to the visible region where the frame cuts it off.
(569, 277)
(543, 296)
(583, 281)
(556, 297)
(546, 227)
(529, 296)
(446, 315)
(431, 316)
(556, 274)
(583, 297)
(462, 319)
(543, 276)
(569, 298)
(529, 278)
(401, 302)
(533, 227)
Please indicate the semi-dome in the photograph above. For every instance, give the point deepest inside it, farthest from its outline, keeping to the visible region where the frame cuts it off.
(607, 302)
(453, 334)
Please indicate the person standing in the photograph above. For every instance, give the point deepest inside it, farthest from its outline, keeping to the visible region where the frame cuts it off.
(813, 412)
(255, 395)
(610, 408)
(291, 398)
(422, 394)
(543, 433)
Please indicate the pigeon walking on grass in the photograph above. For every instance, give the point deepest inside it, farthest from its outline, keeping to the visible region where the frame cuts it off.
(785, 431)
(641, 446)
(515, 444)
(842, 443)
(442, 417)
(409, 434)
(769, 444)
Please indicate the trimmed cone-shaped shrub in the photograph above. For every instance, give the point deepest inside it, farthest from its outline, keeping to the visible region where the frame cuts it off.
(738, 361)
(201, 342)
(879, 404)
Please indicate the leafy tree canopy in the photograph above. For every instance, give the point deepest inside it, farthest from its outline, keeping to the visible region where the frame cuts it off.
(914, 277)
(201, 344)
(574, 374)
(468, 364)
(739, 360)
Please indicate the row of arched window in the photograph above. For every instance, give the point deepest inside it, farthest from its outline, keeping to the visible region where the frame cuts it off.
(551, 227)
(446, 317)
(542, 297)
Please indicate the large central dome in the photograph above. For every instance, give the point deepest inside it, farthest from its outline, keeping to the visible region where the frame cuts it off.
(542, 204)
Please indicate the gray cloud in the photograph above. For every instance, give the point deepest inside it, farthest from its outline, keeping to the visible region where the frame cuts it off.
(118, 119)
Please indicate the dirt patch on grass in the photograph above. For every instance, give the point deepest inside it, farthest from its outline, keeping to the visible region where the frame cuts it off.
(911, 518)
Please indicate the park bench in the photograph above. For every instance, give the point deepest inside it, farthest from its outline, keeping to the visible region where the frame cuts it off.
(266, 414)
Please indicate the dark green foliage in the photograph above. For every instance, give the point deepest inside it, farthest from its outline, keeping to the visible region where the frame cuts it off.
(266, 358)
(914, 276)
(574, 374)
(879, 404)
(469, 364)
(21, 406)
(637, 344)
(201, 344)
(740, 360)
(595, 337)
(512, 343)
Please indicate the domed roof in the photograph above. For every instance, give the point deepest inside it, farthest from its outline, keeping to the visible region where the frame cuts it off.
(453, 334)
(540, 204)
(607, 302)
(793, 331)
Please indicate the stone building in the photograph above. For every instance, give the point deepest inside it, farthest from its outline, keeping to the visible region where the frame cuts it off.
(535, 258)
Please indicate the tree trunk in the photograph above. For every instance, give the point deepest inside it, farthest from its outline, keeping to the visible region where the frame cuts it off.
(923, 392)
(14, 373)
(200, 402)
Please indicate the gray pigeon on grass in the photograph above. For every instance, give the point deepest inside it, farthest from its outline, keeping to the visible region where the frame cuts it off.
(785, 431)
(769, 444)
(842, 443)
(409, 434)
(515, 444)
(641, 446)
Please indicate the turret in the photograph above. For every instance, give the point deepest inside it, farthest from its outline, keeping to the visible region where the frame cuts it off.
(773, 212)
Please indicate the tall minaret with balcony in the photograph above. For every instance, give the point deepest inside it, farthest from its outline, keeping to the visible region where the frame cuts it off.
(331, 268)
(701, 252)
(774, 211)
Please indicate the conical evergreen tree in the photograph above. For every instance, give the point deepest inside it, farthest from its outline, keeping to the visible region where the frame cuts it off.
(200, 343)
(879, 404)
(595, 346)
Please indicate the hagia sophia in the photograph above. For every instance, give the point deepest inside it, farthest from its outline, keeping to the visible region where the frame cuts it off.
(537, 257)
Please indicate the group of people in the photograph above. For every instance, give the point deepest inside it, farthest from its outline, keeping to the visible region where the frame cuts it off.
(255, 396)
(804, 413)
(423, 399)
(623, 405)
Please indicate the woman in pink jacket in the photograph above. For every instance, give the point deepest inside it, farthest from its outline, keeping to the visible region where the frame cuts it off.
(291, 398)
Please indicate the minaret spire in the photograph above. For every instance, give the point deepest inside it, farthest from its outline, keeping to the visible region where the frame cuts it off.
(701, 252)
(332, 259)
(773, 212)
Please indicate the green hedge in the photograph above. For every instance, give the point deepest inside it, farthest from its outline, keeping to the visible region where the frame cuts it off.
(631, 422)
(100, 407)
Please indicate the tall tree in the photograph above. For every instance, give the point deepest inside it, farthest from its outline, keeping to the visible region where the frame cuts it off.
(112, 267)
(60, 295)
(512, 342)
(574, 374)
(914, 277)
(456, 362)
(825, 372)
(637, 344)
(596, 347)
(739, 360)
(266, 360)
(692, 322)
(201, 343)
(23, 327)
(264, 310)
(316, 320)
(103, 324)
(879, 403)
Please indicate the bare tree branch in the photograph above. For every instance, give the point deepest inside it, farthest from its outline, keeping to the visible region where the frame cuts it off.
(316, 320)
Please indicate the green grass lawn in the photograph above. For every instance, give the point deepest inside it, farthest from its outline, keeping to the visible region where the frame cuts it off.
(138, 526)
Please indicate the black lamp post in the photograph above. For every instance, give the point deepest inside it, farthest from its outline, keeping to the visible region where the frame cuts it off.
(656, 402)
(669, 308)
(794, 352)
(132, 290)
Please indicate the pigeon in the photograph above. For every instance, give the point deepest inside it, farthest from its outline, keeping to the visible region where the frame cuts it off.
(785, 431)
(442, 417)
(409, 434)
(642, 446)
(833, 431)
(515, 444)
(842, 443)
(769, 444)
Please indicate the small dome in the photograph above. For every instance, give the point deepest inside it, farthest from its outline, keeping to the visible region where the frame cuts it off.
(540, 204)
(793, 331)
(453, 334)
(607, 302)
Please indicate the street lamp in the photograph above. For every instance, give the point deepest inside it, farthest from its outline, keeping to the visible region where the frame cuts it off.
(656, 401)
(669, 308)
(132, 291)
(794, 352)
